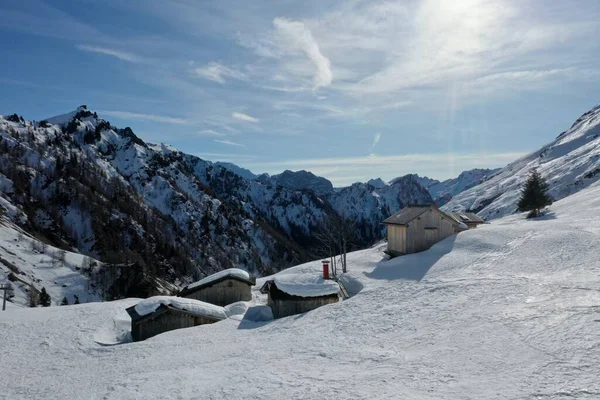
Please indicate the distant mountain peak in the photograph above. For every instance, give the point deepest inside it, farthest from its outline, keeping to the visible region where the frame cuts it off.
(298, 180)
(377, 183)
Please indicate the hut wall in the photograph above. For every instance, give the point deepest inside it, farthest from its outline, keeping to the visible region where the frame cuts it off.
(426, 230)
(165, 322)
(396, 239)
(223, 293)
(285, 307)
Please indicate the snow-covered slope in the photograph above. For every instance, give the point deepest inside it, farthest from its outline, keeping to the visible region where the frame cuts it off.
(505, 311)
(29, 264)
(570, 163)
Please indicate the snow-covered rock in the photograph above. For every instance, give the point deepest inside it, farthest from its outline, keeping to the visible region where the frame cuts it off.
(243, 172)
(377, 183)
(570, 163)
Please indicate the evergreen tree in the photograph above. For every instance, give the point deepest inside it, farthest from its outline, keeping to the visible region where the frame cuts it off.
(534, 194)
(65, 301)
(32, 297)
(45, 298)
(76, 299)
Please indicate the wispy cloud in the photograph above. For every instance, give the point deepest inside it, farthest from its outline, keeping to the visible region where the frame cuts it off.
(210, 132)
(244, 117)
(376, 139)
(121, 55)
(145, 117)
(298, 37)
(229, 143)
(218, 72)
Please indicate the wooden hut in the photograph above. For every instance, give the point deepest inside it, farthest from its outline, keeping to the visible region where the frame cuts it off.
(160, 314)
(290, 294)
(223, 288)
(416, 228)
(471, 220)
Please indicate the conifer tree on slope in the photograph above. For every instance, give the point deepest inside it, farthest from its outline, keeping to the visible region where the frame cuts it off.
(44, 298)
(534, 194)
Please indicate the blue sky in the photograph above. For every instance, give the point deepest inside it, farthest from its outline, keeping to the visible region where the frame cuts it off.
(349, 90)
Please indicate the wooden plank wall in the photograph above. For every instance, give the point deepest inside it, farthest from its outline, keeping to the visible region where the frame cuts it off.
(285, 308)
(162, 323)
(396, 239)
(223, 293)
(166, 322)
(416, 237)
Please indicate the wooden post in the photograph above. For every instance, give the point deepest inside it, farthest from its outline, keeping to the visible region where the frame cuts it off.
(4, 287)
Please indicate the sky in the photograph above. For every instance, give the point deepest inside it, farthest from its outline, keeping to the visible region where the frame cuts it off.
(349, 90)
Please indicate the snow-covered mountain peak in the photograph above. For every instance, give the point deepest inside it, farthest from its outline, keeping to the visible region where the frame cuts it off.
(299, 180)
(377, 183)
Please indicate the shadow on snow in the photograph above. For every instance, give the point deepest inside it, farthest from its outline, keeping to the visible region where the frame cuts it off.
(412, 266)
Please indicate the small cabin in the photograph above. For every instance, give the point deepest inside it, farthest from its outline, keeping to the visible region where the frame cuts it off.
(416, 228)
(471, 220)
(223, 288)
(160, 314)
(290, 294)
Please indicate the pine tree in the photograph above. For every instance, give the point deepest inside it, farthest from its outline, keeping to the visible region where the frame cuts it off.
(45, 299)
(65, 301)
(534, 194)
(32, 297)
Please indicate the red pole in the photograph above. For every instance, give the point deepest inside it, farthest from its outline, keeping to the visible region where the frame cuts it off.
(325, 269)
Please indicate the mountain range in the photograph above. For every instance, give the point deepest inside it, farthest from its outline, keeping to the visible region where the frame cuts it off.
(79, 183)
(76, 182)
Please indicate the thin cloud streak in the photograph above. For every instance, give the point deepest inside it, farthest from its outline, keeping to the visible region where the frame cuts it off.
(121, 55)
(229, 143)
(244, 117)
(218, 72)
(376, 140)
(145, 117)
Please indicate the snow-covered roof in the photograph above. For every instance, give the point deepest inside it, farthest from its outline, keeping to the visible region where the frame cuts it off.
(234, 273)
(196, 307)
(305, 285)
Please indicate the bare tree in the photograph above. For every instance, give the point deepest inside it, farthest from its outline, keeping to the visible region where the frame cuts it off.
(335, 239)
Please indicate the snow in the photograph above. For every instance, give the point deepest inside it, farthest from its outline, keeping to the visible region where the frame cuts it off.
(305, 285)
(569, 164)
(197, 307)
(508, 310)
(31, 264)
(231, 272)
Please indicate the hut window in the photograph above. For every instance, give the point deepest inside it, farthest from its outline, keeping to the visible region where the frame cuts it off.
(230, 284)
